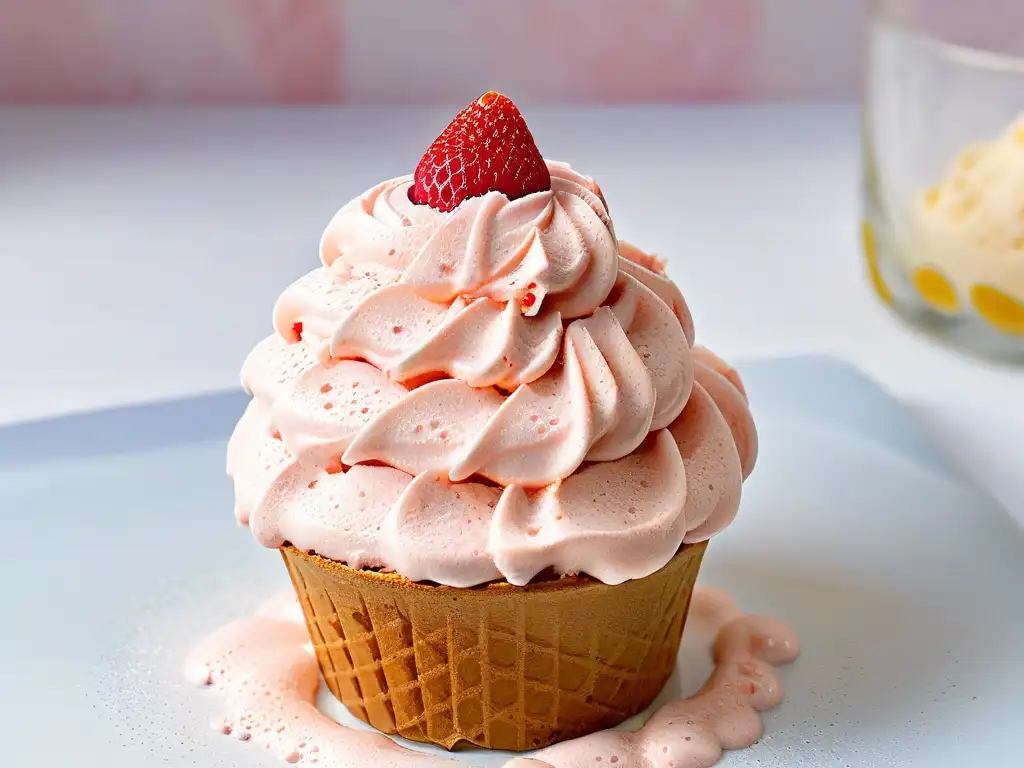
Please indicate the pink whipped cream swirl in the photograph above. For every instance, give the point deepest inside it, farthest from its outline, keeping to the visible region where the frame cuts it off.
(487, 394)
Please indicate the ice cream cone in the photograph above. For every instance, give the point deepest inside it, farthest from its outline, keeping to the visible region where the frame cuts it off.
(499, 666)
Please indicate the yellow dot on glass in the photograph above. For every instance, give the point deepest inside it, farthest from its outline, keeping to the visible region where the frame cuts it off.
(999, 310)
(871, 257)
(936, 289)
(931, 197)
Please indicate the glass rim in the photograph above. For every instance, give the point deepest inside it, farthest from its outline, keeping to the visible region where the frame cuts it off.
(969, 55)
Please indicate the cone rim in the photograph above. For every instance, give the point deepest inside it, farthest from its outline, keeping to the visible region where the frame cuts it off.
(555, 583)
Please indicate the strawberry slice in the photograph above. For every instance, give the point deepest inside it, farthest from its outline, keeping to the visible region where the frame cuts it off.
(486, 148)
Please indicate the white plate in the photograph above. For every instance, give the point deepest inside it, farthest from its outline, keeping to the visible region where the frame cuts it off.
(905, 584)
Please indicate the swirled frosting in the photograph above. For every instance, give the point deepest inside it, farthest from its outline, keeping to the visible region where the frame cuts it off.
(488, 394)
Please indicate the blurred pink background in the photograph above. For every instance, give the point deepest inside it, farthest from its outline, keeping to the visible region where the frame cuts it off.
(374, 51)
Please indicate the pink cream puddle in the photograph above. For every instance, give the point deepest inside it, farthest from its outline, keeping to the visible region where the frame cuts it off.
(265, 671)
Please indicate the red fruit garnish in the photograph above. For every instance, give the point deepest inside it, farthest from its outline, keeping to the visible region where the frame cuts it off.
(486, 148)
(529, 298)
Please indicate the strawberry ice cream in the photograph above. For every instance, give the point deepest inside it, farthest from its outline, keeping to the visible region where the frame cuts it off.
(480, 382)
(488, 449)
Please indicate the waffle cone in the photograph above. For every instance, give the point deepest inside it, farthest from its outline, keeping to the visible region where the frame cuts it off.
(498, 666)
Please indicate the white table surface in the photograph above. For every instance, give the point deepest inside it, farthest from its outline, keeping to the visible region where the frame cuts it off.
(141, 250)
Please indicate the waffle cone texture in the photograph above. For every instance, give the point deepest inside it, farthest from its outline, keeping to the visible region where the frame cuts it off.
(498, 666)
